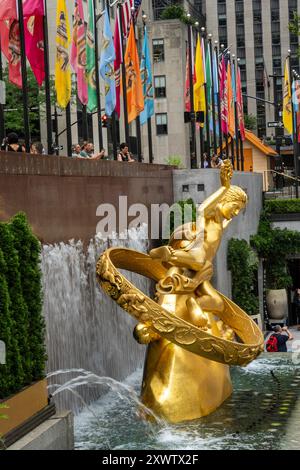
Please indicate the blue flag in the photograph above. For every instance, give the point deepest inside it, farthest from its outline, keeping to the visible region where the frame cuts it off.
(107, 66)
(146, 76)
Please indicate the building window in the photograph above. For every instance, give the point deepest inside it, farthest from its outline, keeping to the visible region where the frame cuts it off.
(161, 124)
(160, 86)
(158, 50)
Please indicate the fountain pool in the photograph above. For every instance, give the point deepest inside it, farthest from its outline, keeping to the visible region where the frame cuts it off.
(260, 415)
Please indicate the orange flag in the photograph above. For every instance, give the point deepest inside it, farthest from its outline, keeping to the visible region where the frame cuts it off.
(134, 88)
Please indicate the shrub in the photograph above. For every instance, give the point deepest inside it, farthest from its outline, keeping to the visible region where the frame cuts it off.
(21, 322)
(283, 206)
(28, 248)
(243, 264)
(175, 160)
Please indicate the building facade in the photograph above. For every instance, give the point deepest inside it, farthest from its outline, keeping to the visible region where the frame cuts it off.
(257, 31)
(168, 44)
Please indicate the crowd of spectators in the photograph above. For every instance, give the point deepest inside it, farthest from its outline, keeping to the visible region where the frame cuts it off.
(85, 151)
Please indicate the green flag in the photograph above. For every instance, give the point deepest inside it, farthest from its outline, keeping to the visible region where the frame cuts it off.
(90, 60)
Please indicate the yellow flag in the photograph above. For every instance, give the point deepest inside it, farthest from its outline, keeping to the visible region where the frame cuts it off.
(287, 100)
(62, 64)
(199, 89)
(134, 87)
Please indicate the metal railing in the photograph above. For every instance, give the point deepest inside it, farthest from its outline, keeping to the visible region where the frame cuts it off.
(279, 185)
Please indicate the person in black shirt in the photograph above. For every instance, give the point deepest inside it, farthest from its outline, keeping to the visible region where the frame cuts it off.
(124, 154)
(282, 339)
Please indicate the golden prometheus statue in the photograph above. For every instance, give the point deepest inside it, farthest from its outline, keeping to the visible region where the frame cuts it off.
(193, 332)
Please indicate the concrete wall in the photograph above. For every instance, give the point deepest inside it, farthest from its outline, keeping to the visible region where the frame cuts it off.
(242, 227)
(56, 433)
(60, 195)
(292, 225)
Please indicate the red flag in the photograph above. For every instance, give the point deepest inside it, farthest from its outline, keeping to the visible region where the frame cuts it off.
(34, 45)
(8, 9)
(33, 8)
(224, 97)
(240, 105)
(11, 48)
(117, 63)
(187, 91)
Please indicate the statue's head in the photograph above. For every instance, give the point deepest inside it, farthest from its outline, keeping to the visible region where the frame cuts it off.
(233, 202)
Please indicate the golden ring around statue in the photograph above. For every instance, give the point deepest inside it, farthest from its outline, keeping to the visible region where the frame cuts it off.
(167, 325)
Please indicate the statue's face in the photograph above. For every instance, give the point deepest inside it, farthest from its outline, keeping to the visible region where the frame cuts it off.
(232, 209)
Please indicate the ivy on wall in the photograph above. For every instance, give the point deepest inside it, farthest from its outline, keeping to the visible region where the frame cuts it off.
(243, 264)
(273, 246)
(21, 322)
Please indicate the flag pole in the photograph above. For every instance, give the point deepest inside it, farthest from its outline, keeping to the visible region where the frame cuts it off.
(113, 116)
(24, 77)
(213, 94)
(69, 130)
(85, 130)
(193, 120)
(47, 83)
(99, 116)
(295, 137)
(127, 137)
(2, 122)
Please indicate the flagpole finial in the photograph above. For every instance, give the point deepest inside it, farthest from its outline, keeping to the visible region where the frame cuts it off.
(210, 35)
(197, 24)
(188, 15)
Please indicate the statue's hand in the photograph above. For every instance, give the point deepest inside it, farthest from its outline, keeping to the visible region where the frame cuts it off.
(226, 174)
(164, 253)
(144, 335)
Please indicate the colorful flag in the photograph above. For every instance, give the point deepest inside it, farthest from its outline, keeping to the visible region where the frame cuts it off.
(224, 97)
(187, 91)
(134, 89)
(118, 62)
(107, 71)
(199, 85)
(8, 10)
(62, 65)
(33, 8)
(230, 96)
(287, 100)
(130, 10)
(78, 52)
(209, 85)
(11, 48)
(216, 92)
(34, 45)
(91, 60)
(240, 105)
(146, 75)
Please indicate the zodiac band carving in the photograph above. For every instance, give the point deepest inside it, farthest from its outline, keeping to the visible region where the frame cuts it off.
(193, 332)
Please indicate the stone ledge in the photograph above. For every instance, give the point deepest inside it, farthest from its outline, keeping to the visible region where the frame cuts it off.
(56, 433)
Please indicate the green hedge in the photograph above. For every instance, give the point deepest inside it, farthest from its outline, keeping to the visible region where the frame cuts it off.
(21, 322)
(284, 206)
(243, 264)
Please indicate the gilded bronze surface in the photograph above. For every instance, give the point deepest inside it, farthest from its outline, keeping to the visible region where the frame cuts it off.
(194, 332)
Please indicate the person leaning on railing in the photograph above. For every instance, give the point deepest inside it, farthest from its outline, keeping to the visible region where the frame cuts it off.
(11, 143)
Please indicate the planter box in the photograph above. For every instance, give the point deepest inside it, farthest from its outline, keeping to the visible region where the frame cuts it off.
(24, 406)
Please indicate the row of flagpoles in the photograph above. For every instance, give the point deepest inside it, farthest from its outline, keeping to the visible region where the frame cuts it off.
(214, 100)
(24, 36)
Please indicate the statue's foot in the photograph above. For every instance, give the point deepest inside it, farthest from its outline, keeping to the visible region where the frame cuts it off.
(196, 315)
